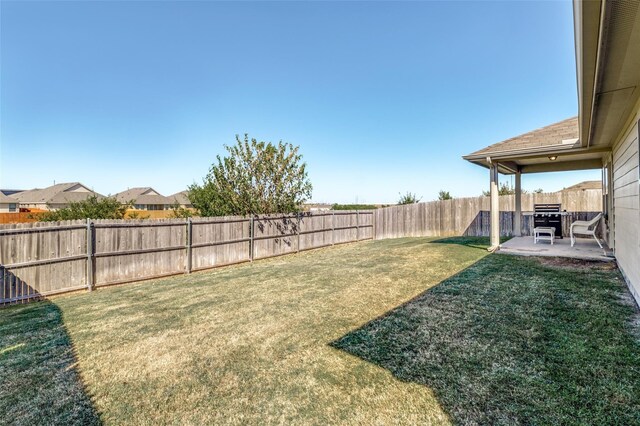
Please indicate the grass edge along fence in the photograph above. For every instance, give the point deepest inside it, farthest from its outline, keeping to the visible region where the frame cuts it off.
(47, 258)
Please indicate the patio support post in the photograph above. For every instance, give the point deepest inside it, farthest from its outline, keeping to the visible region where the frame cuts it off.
(495, 207)
(517, 220)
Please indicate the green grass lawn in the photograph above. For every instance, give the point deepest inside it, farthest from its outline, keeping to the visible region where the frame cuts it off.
(407, 331)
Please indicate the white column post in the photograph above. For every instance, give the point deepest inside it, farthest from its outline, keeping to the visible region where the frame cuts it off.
(495, 207)
(517, 220)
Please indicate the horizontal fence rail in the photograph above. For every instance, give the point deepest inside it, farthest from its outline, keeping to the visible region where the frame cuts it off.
(470, 216)
(42, 258)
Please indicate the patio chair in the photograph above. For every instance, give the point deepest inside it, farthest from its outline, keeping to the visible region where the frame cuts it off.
(585, 227)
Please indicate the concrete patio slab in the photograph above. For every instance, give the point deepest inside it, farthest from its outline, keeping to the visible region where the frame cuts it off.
(585, 248)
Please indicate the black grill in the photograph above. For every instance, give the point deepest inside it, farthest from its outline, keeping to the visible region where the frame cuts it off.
(548, 215)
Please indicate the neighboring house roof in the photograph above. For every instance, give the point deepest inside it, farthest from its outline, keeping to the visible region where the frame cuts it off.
(582, 186)
(142, 195)
(5, 199)
(60, 193)
(10, 191)
(562, 133)
(181, 197)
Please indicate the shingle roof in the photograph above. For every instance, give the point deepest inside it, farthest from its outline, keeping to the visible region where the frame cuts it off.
(582, 186)
(60, 193)
(142, 195)
(554, 134)
(181, 197)
(5, 199)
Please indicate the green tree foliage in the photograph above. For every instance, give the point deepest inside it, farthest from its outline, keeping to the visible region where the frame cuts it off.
(177, 211)
(444, 195)
(254, 178)
(507, 189)
(409, 198)
(91, 208)
(504, 189)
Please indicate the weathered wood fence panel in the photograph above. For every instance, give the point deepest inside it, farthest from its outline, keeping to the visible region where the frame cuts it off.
(135, 250)
(46, 258)
(39, 259)
(275, 235)
(219, 241)
(464, 216)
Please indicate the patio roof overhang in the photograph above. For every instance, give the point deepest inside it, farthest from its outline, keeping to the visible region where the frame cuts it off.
(543, 160)
(551, 148)
(607, 49)
(607, 46)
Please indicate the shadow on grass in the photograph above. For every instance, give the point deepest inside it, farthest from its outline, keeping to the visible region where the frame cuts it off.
(512, 341)
(39, 379)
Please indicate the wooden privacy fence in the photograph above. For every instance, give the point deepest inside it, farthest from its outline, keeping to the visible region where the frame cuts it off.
(39, 259)
(470, 216)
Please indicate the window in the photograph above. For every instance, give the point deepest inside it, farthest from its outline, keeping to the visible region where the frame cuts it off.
(13, 207)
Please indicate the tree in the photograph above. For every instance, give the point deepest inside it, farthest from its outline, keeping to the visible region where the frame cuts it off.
(503, 189)
(444, 195)
(538, 191)
(408, 198)
(254, 178)
(177, 211)
(91, 208)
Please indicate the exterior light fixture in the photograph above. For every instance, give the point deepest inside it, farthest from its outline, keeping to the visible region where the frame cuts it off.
(553, 157)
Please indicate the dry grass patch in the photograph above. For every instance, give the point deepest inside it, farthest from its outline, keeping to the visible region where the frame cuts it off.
(351, 334)
(250, 343)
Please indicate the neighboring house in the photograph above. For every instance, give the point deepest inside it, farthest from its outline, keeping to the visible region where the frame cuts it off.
(603, 136)
(182, 198)
(53, 197)
(145, 198)
(587, 185)
(8, 204)
(10, 191)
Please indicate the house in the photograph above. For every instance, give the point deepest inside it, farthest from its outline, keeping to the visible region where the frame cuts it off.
(587, 185)
(53, 197)
(603, 136)
(8, 204)
(144, 198)
(182, 198)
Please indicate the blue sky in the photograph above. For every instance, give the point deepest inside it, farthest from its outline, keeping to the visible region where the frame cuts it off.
(382, 97)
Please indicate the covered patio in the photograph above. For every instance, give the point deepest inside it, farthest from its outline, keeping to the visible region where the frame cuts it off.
(584, 249)
(552, 148)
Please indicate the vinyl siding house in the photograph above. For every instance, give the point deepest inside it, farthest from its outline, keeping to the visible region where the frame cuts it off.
(53, 197)
(144, 198)
(603, 136)
(8, 204)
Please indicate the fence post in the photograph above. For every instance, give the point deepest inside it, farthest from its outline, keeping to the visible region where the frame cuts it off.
(251, 232)
(189, 243)
(374, 224)
(357, 225)
(298, 232)
(333, 227)
(90, 253)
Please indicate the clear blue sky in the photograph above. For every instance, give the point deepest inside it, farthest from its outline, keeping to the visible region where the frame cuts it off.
(382, 97)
